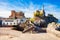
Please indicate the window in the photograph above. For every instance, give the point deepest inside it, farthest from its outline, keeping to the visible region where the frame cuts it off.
(7, 23)
(21, 20)
(3, 23)
(14, 23)
(10, 23)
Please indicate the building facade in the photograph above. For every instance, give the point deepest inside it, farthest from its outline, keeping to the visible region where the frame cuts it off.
(12, 22)
(9, 22)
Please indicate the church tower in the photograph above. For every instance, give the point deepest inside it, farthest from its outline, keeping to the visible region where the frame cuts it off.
(42, 12)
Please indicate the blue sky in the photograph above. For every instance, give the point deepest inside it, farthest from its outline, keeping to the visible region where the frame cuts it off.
(29, 6)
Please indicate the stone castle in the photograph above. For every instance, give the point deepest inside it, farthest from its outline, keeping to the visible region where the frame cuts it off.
(16, 15)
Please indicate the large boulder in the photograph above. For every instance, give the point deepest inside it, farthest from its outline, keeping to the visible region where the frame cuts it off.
(52, 29)
(51, 18)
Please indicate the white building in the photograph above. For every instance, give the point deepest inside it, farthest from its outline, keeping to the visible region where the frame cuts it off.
(9, 22)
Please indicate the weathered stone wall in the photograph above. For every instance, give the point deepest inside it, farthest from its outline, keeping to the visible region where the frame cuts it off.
(15, 14)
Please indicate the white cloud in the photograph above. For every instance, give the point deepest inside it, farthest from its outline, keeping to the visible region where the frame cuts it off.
(52, 9)
(4, 13)
(5, 9)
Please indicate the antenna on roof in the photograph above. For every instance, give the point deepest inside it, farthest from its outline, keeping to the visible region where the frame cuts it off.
(43, 7)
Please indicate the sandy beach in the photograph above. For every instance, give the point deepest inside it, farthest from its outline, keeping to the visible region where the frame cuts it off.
(8, 34)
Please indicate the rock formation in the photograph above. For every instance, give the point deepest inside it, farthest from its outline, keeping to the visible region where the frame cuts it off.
(52, 29)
